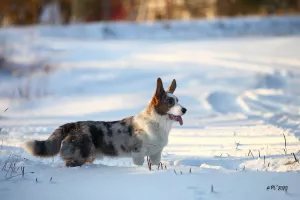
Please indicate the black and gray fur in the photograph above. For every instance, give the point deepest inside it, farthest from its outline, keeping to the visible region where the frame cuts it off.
(83, 141)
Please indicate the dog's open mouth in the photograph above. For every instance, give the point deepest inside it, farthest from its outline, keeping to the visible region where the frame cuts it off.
(176, 118)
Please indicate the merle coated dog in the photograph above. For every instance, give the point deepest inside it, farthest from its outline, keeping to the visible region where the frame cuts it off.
(145, 134)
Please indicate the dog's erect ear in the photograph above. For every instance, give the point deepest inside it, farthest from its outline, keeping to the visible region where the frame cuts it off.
(159, 88)
(172, 87)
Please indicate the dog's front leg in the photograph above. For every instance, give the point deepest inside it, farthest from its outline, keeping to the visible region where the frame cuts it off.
(138, 158)
(155, 158)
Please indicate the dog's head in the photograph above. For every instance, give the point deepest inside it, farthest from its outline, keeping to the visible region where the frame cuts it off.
(166, 103)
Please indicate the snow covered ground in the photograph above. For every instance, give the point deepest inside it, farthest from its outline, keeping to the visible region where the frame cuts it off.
(242, 95)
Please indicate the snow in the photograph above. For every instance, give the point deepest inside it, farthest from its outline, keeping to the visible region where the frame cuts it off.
(183, 30)
(239, 85)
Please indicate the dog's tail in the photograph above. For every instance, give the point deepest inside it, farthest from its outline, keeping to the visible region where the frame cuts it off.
(46, 148)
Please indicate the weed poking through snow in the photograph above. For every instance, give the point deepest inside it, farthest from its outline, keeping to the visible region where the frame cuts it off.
(285, 149)
(2, 137)
(12, 168)
(149, 163)
(296, 160)
(251, 153)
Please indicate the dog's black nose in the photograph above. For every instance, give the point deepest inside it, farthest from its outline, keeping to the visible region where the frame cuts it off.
(183, 110)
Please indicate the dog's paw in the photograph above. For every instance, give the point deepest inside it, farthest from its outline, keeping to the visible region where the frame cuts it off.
(138, 161)
(155, 162)
(155, 158)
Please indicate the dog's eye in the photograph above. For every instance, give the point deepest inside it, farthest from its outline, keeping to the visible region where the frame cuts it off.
(171, 101)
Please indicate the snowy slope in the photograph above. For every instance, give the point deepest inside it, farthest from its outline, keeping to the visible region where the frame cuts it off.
(242, 97)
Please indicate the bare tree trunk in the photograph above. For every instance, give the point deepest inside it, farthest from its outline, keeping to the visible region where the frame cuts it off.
(106, 9)
(74, 10)
(142, 11)
(169, 7)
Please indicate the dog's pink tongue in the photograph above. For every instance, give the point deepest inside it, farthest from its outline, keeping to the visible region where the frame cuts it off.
(180, 120)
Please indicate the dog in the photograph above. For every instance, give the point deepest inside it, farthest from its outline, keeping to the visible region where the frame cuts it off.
(145, 134)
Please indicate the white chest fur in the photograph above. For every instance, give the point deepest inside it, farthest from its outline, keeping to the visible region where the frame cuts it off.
(156, 129)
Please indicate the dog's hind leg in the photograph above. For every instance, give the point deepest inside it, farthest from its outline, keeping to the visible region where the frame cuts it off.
(77, 149)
